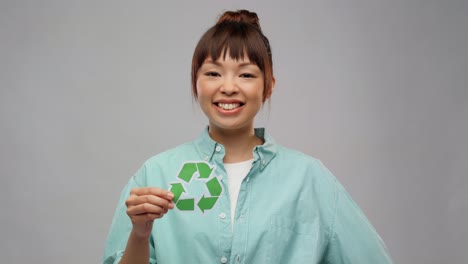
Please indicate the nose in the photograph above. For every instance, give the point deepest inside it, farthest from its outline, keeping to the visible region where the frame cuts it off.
(229, 86)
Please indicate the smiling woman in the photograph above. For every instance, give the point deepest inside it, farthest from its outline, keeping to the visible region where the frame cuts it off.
(242, 210)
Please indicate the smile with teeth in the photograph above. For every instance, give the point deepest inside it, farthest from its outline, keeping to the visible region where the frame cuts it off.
(229, 106)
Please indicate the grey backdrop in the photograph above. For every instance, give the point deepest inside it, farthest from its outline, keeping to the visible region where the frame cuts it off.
(90, 89)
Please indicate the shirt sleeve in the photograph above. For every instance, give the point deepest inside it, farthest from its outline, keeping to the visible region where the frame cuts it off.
(353, 238)
(122, 226)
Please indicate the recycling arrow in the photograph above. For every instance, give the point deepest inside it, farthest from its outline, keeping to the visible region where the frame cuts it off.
(214, 187)
(186, 174)
(177, 189)
(186, 204)
(187, 171)
(206, 203)
(204, 169)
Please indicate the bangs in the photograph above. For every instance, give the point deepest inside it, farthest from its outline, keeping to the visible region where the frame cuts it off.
(240, 40)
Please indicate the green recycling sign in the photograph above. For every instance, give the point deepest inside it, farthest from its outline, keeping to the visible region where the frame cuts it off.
(196, 171)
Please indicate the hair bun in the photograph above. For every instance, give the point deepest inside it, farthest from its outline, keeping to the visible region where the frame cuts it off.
(240, 16)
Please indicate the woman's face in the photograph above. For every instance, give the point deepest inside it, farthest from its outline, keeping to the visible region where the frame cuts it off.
(230, 92)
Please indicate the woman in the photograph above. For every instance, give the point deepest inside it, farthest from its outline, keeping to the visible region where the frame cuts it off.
(233, 195)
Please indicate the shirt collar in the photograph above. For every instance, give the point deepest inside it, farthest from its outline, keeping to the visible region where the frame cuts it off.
(207, 147)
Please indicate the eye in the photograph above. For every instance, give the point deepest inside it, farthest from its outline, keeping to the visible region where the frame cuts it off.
(247, 75)
(212, 74)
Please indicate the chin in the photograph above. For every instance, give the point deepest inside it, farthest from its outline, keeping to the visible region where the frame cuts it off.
(221, 126)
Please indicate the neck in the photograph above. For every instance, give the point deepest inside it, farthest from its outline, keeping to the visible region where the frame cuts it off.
(238, 144)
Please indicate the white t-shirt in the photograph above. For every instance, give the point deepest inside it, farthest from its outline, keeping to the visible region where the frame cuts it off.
(236, 173)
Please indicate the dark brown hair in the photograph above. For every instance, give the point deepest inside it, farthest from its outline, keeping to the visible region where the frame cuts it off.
(239, 33)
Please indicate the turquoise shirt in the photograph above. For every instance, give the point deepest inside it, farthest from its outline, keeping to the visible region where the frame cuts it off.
(290, 209)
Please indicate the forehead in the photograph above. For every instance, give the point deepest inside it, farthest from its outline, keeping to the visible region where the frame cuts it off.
(226, 57)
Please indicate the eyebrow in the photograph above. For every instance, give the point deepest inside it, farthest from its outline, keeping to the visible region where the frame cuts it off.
(240, 65)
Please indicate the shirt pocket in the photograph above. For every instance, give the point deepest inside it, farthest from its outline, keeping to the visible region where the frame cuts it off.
(294, 241)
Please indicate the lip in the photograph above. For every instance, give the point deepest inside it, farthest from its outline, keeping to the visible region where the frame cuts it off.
(228, 101)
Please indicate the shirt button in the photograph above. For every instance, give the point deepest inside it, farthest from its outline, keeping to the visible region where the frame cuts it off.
(223, 259)
(263, 162)
(218, 148)
(248, 179)
(222, 215)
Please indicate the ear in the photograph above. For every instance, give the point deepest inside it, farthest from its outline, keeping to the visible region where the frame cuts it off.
(273, 82)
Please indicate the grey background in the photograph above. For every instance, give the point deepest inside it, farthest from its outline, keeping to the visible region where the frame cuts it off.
(90, 89)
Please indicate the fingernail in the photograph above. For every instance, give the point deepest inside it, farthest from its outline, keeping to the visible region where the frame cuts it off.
(171, 205)
(170, 195)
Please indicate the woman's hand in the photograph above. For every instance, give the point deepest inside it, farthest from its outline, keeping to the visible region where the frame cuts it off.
(146, 204)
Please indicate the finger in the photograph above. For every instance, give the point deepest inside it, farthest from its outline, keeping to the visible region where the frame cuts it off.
(156, 191)
(145, 208)
(144, 218)
(150, 199)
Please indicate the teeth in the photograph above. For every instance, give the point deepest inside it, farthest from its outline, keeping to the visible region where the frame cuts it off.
(228, 106)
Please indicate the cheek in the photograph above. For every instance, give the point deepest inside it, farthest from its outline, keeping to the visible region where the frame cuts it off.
(197, 87)
(204, 93)
(257, 93)
(206, 88)
(256, 99)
